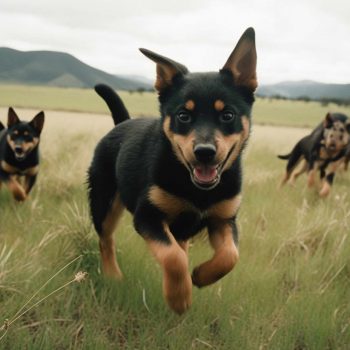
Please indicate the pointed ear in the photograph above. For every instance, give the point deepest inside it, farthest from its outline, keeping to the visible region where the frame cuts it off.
(347, 126)
(328, 121)
(167, 69)
(12, 118)
(242, 61)
(2, 127)
(38, 122)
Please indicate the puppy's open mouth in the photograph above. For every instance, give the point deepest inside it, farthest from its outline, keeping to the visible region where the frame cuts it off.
(206, 177)
(20, 156)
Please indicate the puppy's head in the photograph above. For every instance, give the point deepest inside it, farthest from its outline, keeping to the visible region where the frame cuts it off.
(206, 116)
(23, 137)
(336, 131)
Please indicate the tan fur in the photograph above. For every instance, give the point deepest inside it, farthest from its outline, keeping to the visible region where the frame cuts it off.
(234, 141)
(177, 283)
(165, 74)
(225, 209)
(190, 105)
(182, 145)
(16, 189)
(107, 247)
(168, 203)
(219, 105)
(8, 168)
(224, 259)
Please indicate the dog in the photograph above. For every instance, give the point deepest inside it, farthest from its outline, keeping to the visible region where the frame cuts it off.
(19, 153)
(180, 173)
(322, 150)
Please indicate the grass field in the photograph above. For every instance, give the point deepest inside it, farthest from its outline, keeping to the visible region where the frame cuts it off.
(266, 111)
(290, 289)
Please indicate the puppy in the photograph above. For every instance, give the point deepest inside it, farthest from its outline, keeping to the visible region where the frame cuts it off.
(19, 153)
(323, 150)
(180, 173)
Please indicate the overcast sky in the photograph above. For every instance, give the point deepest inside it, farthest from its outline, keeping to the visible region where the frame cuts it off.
(296, 39)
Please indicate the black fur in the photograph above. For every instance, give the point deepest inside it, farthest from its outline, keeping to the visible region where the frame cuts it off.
(115, 104)
(314, 148)
(192, 153)
(22, 158)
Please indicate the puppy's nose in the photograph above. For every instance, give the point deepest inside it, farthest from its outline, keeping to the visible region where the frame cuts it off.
(204, 152)
(18, 150)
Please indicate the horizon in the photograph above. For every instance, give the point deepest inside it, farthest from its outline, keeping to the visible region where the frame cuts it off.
(143, 78)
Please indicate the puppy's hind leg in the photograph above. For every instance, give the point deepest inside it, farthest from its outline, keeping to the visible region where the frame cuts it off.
(293, 161)
(106, 210)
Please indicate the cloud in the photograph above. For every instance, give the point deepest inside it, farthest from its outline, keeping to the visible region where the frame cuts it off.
(295, 39)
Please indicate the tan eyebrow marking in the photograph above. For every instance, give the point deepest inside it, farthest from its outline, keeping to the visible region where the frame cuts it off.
(189, 105)
(219, 105)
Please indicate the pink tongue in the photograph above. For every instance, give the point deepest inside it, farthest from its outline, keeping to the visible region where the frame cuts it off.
(205, 174)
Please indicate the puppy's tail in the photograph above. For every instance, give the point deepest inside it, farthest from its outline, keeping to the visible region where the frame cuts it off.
(114, 103)
(285, 156)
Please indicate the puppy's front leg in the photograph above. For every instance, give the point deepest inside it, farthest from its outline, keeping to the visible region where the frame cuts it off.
(16, 188)
(221, 236)
(29, 183)
(177, 283)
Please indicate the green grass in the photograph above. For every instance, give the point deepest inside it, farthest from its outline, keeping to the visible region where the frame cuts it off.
(266, 111)
(290, 289)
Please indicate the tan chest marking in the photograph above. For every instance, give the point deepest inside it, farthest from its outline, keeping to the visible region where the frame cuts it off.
(225, 209)
(10, 169)
(173, 205)
(169, 203)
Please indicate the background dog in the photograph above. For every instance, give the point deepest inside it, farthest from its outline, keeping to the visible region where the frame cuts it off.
(323, 150)
(19, 153)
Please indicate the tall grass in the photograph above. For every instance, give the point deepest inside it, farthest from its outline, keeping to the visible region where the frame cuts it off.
(290, 289)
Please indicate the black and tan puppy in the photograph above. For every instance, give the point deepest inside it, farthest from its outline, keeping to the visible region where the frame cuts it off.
(181, 173)
(19, 153)
(323, 150)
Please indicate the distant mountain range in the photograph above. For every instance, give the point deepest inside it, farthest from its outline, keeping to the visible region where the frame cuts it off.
(61, 69)
(58, 69)
(306, 88)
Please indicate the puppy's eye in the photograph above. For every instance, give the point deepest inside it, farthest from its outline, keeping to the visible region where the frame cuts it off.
(184, 117)
(227, 116)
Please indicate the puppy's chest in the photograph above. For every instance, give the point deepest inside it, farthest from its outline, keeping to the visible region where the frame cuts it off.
(180, 211)
(18, 170)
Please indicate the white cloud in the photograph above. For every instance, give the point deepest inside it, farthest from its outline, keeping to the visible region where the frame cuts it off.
(295, 39)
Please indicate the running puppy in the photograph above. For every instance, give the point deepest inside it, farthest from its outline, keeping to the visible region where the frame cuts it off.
(180, 173)
(19, 153)
(323, 150)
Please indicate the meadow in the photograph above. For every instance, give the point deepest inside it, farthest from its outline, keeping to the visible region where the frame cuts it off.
(290, 289)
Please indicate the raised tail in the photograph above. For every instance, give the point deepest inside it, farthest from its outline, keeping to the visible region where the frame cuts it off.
(285, 156)
(114, 103)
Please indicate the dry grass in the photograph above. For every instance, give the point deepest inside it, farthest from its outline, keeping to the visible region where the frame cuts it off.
(289, 290)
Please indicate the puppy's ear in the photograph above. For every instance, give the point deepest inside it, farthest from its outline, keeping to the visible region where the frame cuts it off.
(242, 61)
(347, 126)
(12, 117)
(328, 121)
(37, 122)
(167, 69)
(2, 127)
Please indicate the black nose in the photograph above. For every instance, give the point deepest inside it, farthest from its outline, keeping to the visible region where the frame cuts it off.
(204, 152)
(18, 150)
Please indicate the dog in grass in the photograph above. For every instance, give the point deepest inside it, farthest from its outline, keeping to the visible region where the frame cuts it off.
(19, 153)
(323, 151)
(179, 173)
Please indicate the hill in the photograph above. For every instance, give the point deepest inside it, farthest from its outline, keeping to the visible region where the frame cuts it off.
(306, 88)
(57, 69)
